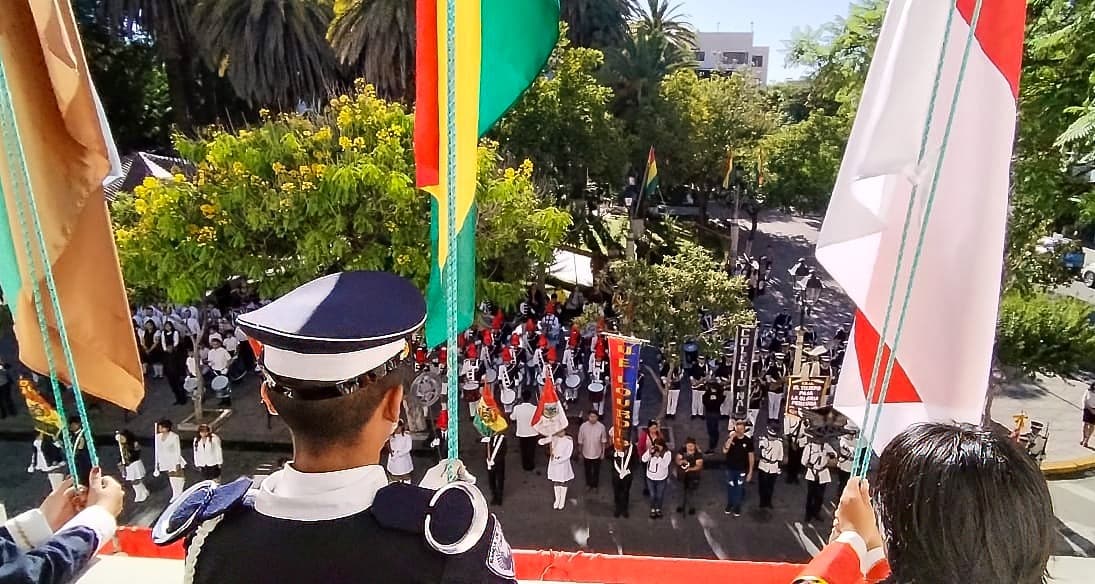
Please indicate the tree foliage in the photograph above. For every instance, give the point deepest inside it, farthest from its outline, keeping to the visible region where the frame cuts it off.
(597, 24)
(564, 124)
(802, 161)
(1045, 334)
(664, 301)
(300, 196)
(375, 40)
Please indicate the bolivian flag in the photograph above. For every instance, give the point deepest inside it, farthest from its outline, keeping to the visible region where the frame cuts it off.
(498, 49)
(55, 150)
(488, 418)
(650, 183)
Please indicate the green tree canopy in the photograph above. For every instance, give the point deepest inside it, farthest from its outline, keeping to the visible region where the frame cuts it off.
(663, 302)
(1045, 334)
(802, 161)
(300, 196)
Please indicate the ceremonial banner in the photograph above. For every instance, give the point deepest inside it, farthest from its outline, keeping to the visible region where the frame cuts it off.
(550, 417)
(623, 361)
(55, 153)
(46, 419)
(745, 343)
(925, 180)
(488, 418)
(499, 48)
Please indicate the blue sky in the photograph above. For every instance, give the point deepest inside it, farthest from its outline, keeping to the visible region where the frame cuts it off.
(773, 21)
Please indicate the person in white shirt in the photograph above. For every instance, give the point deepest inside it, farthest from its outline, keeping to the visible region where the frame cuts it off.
(218, 357)
(526, 436)
(592, 440)
(130, 465)
(1089, 415)
(673, 384)
(208, 456)
(771, 462)
(699, 379)
(816, 458)
(400, 466)
(658, 459)
(169, 458)
(560, 471)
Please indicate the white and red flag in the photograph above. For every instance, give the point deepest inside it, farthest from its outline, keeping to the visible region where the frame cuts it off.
(924, 182)
(550, 416)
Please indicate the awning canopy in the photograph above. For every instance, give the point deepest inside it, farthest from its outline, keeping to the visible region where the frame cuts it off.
(572, 268)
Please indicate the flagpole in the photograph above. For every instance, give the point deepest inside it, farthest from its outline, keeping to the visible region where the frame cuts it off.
(452, 282)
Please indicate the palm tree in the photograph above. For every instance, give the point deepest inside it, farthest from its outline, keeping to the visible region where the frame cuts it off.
(167, 22)
(273, 52)
(661, 17)
(645, 58)
(597, 23)
(375, 38)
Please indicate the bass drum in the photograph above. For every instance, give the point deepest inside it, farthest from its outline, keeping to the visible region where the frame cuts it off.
(470, 392)
(426, 388)
(596, 392)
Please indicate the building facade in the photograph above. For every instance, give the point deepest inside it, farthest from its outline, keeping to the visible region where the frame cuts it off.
(727, 52)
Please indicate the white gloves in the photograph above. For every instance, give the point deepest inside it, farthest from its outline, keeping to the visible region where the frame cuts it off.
(438, 475)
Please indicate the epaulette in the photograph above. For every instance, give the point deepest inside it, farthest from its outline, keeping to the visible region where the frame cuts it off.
(198, 504)
(452, 519)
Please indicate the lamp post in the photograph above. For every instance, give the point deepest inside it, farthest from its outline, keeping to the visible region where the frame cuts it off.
(807, 293)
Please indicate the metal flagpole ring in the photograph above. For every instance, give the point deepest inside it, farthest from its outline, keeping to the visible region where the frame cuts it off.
(478, 520)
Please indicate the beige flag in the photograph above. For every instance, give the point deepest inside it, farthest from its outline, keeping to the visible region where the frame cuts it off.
(65, 148)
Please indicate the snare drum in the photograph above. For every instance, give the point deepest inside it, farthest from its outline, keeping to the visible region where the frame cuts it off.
(508, 397)
(191, 386)
(573, 380)
(470, 391)
(596, 391)
(490, 376)
(220, 386)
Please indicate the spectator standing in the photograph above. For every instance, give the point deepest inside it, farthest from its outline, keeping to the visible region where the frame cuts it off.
(1088, 405)
(526, 436)
(208, 456)
(400, 465)
(7, 405)
(592, 439)
(690, 465)
(48, 458)
(151, 353)
(174, 356)
(740, 461)
(169, 458)
(712, 410)
(130, 464)
(658, 459)
(771, 460)
(560, 471)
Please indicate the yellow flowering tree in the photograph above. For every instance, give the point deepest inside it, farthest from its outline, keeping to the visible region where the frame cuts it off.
(298, 196)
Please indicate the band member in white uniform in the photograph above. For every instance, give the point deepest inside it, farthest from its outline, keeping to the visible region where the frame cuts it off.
(771, 462)
(699, 380)
(48, 458)
(169, 458)
(816, 457)
(560, 472)
(673, 383)
(130, 465)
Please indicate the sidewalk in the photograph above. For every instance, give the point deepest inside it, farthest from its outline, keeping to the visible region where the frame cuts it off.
(1054, 401)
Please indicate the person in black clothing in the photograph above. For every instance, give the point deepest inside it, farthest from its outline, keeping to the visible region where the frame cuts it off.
(690, 465)
(7, 406)
(174, 361)
(624, 462)
(79, 446)
(496, 467)
(740, 461)
(712, 405)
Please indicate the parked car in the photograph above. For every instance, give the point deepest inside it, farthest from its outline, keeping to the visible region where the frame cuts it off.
(1088, 275)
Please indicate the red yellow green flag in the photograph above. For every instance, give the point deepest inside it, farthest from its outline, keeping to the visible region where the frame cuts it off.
(46, 419)
(488, 418)
(499, 48)
(54, 154)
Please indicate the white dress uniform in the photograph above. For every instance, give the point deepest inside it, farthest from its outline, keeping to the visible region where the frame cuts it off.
(560, 470)
(169, 459)
(399, 455)
(673, 388)
(697, 391)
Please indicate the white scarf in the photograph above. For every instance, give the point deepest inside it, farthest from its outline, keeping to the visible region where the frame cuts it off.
(623, 469)
(496, 440)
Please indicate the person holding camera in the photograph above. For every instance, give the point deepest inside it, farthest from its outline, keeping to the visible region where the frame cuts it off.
(657, 460)
(689, 465)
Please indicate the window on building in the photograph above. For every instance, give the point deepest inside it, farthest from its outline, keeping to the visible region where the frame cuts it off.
(758, 61)
(733, 58)
(699, 55)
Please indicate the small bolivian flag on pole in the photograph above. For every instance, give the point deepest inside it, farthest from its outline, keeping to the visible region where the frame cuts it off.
(729, 170)
(498, 49)
(650, 183)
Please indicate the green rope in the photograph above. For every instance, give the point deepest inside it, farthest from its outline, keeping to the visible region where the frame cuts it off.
(861, 459)
(451, 264)
(23, 199)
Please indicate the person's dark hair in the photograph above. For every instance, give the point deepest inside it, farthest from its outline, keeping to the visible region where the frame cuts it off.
(166, 424)
(690, 440)
(526, 396)
(74, 420)
(960, 503)
(335, 421)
